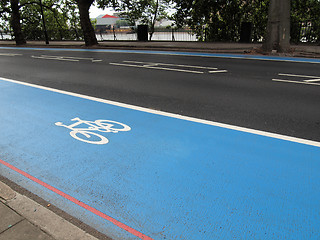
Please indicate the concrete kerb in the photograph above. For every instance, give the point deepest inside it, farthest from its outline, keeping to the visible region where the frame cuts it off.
(49, 222)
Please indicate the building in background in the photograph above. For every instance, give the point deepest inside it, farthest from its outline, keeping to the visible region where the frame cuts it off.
(113, 27)
(106, 22)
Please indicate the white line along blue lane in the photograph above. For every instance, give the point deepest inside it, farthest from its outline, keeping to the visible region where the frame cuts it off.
(162, 175)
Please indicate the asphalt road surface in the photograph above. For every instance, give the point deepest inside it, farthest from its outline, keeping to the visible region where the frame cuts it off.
(190, 164)
(242, 94)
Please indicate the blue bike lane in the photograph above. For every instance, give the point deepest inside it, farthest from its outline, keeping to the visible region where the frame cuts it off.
(162, 178)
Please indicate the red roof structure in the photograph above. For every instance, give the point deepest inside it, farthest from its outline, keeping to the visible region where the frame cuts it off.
(109, 16)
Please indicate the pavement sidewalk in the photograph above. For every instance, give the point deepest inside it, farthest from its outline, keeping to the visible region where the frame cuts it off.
(21, 218)
(302, 50)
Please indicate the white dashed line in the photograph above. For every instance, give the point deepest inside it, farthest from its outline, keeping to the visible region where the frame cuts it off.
(55, 58)
(309, 81)
(10, 54)
(218, 71)
(173, 65)
(65, 58)
(154, 67)
(299, 82)
(166, 67)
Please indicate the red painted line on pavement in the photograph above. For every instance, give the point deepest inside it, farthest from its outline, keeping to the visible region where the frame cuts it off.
(81, 204)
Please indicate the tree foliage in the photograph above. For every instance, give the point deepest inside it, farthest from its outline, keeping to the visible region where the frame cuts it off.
(5, 15)
(61, 19)
(143, 11)
(210, 20)
(220, 20)
(305, 21)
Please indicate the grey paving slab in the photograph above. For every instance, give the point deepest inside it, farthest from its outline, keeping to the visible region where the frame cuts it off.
(8, 217)
(48, 221)
(6, 193)
(24, 231)
(23, 218)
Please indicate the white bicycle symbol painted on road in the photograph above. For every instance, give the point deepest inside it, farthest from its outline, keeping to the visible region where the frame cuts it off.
(88, 135)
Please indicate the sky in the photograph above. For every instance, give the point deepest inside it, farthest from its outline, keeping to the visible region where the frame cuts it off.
(95, 12)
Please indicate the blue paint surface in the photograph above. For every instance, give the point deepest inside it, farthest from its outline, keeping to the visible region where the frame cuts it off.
(167, 178)
(176, 53)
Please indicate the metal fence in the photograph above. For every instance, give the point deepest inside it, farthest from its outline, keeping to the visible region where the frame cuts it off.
(305, 32)
(5, 35)
(158, 35)
(39, 35)
(119, 35)
(301, 32)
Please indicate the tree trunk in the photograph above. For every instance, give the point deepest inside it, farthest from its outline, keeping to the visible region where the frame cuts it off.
(15, 23)
(278, 28)
(153, 21)
(284, 26)
(87, 28)
(44, 23)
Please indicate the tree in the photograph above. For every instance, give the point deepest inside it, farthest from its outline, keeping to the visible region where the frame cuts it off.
(213, 20)
(61, 18)
(86, 25)
(15, 22)
(305, 21)
(155, 10)
(256, 12)
(131, 10)
(146, 11)
(70, 13)
(56, 15)
(278, 28)
(5, 16)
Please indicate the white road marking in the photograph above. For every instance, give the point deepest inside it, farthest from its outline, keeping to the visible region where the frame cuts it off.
(153, 67)
(159, 66)
(150, 65)
(10, 54)
(313, 80)
(245, 57)
(300, 82)
(172, 115)
(77, 58)
(55, 58)
(295, 75)
(218, 71)
(100, 126)
(65, 58)
(174, 65)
